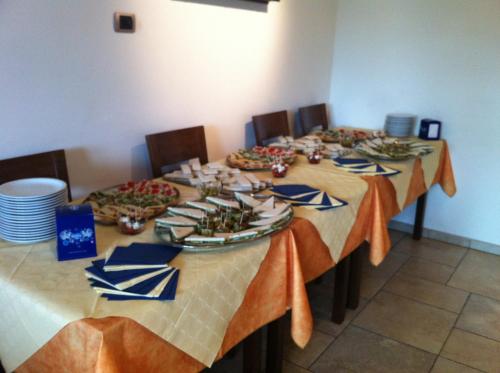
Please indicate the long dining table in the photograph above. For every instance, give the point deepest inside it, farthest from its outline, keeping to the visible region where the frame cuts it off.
(52, 320)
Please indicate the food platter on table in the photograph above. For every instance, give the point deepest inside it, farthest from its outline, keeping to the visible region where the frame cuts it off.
(214, 178)
(391, 149)
(219, 223)
(146, 199)
(259, 158)
(342, 135)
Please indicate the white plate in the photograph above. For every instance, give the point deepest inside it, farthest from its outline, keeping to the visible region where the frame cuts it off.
(26, 240)
(29, 233)
(31, 221)
(21, 228)
(30, 189)
(27, 224)
(41, 201)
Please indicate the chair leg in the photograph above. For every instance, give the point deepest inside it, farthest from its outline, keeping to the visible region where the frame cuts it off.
(419, 217)
(275, 345)
(252, 352)
(354, 286)
(340, 291)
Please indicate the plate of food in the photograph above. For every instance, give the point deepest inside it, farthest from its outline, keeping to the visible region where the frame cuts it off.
(219, 223)
(259, 157)
(145, 199)
(342, 135)
(391, 149)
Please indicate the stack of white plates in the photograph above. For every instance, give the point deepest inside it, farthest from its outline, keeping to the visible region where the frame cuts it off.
(27, 209)
(400, 125)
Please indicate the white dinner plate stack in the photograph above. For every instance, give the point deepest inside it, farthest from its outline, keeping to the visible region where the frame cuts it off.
(27, 209)
(400, 125)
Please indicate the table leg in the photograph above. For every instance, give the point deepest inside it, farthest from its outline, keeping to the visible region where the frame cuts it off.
(340, 291)
(419, 217)
(252, 352)
(354, 287)
(275, 344)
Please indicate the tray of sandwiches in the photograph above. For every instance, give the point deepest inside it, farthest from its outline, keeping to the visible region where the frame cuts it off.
(214, 178)
(218, 223)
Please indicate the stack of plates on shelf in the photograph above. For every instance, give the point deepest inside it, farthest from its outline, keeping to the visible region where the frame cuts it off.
(400, 125)
(27, 209)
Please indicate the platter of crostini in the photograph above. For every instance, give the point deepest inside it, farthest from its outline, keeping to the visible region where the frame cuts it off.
(219, 223)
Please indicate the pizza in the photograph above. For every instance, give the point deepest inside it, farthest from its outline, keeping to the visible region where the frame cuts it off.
(259, 157)
(340, 134)
(144, 199)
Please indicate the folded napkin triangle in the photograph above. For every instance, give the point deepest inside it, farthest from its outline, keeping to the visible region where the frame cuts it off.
(140, 255)
(300, 195)
(139, 271)
(363, 167)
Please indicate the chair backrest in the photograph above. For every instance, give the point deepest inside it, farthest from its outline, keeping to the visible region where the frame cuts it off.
(313, 116)
(48, 164)
(168, 148)
(271, 125)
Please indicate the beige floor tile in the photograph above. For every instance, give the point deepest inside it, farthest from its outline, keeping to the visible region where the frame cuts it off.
(432, 293)
(443, 365)
(407, 321)
(371, 283)
(432, 250)
(305, 357)
(481, 316)
(358, 350)
(391, 264)
(324, 325)
(478, 273)
(427, 270)
(473, 350)
(292, 368)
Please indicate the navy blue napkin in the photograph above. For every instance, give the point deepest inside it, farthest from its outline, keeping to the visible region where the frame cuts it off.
(116, 277)
(141, 255)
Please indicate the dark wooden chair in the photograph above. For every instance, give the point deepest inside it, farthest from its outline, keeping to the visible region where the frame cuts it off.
(268, 126)
(313, 116)
(48, 164)
(169, 148)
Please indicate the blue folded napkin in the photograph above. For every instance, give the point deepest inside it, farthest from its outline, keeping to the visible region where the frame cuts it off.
(142, 288)
(139, 271)
(118, 279)
(293, 189)
(300, 195)
(351, 161)
(168, 292)
(141, 255)
(363, 166)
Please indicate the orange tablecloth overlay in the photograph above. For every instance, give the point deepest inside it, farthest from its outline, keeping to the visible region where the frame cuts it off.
(296, 256)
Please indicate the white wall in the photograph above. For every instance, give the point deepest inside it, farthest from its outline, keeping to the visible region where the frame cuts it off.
(68, 81)
(434, 58)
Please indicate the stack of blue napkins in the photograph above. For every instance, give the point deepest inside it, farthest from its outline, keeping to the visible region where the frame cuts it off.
(301, 195)
(139, 271)
(363, 167)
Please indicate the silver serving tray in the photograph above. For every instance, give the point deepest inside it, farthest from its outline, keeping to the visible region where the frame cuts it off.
(162, 233)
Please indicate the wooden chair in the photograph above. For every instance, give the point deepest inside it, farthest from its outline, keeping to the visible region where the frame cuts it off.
(169, 148)
(313, 116)
(48, 164)
(271, 125)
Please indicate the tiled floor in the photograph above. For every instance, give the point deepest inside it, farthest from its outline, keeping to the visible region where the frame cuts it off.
(430, 307)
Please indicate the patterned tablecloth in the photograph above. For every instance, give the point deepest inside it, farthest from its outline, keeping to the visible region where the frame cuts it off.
(222, 297)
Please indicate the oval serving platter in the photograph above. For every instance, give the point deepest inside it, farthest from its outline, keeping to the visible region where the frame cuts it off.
(186, 226)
